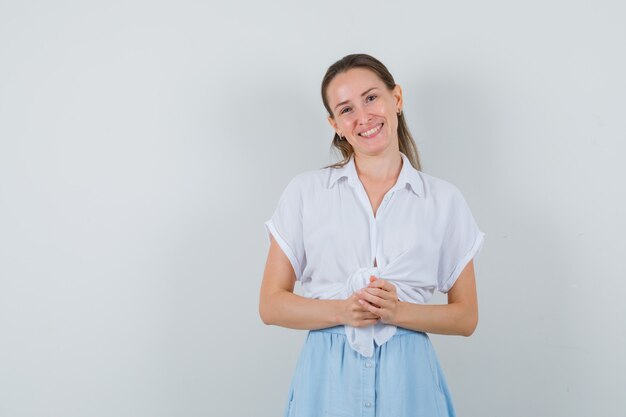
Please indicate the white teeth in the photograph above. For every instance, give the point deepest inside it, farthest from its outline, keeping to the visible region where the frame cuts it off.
(371, 131)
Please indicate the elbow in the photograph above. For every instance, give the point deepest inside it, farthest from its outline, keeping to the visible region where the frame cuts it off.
(469, 327)
(467, 332)
(265, 312)
(270, 309)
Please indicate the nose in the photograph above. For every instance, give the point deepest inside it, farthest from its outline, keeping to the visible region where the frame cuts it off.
(362, 115)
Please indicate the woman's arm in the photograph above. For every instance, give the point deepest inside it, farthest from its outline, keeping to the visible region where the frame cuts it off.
(278, 305)
(458, 317)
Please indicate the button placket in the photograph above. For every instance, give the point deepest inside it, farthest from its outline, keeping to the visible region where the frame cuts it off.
(362, 196)
(381, 210)
(384, 203)
(373, 239)
(369, 386)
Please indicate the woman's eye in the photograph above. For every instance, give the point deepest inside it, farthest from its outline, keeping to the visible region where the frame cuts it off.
(371, 98)
(345, 110)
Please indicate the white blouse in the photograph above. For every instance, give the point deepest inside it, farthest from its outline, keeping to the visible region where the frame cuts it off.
(421, 238)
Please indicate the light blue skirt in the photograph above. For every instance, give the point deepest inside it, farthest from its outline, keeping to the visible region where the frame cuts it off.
(402, 379)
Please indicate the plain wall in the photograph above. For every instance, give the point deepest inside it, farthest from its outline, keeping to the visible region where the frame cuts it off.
(143, 144)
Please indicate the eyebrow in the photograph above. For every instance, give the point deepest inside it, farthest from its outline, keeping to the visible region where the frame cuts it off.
(346, 101)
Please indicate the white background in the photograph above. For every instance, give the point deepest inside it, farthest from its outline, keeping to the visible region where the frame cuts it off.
(143, 144)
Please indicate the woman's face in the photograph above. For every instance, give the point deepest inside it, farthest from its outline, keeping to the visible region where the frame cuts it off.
(364, 111)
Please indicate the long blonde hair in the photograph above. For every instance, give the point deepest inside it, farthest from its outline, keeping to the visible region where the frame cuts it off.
(406, 143)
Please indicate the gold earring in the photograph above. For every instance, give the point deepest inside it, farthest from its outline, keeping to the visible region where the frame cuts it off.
(400, 112)
(340, 137)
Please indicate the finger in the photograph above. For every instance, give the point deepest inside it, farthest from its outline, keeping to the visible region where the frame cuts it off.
(388, 289)
(355, 299)
(371, 298)
(378, 283)
(385, 295)
(377, 302)
(386, 286)
(371, 308)
(360, 306)
(368, 316)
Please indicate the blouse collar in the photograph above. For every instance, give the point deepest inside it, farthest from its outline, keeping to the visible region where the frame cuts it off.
(408, 175)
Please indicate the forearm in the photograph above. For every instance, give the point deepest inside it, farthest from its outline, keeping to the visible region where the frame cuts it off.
(450, 319)
(286, 309)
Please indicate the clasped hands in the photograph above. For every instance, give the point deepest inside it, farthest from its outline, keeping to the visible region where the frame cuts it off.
(377, 301)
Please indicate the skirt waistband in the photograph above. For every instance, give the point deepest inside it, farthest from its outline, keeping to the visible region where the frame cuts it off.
(341, 330)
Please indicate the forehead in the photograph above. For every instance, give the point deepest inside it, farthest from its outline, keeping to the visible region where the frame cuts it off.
(351, 84)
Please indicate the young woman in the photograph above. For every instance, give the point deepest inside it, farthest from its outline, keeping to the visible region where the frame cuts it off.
(370, 239)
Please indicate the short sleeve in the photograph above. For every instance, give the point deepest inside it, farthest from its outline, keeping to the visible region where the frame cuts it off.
(462, 242)
(286, 225)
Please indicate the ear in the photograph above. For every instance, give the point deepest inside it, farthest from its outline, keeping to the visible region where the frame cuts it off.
(397, 94)
(332, 123)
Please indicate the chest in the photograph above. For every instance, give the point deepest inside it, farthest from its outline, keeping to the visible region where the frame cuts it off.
(375, 193)
(352, 227)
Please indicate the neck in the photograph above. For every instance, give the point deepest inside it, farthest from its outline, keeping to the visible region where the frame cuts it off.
(379, 168)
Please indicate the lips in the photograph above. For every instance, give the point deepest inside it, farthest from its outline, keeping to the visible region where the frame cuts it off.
(372, 132)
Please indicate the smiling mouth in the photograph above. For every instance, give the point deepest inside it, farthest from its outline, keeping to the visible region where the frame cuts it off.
(372, 132)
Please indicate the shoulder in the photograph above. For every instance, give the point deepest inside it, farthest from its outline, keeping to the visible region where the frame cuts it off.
(447, 200)
(308, 182)
(304, 187)
(440, 190)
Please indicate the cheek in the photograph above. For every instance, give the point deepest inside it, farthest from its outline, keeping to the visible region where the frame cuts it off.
(389, 109)
(346, 123)
(391, 115)
(388, 112)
